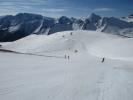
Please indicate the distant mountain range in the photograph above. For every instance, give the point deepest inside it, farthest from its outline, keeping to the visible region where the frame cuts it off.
(24, 24)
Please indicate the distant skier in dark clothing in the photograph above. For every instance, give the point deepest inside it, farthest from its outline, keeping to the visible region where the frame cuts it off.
(71, 33)
(76, 51)
(103, 60)
(68, 57)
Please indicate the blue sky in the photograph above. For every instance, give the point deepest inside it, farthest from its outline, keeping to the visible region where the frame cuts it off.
(71, 8)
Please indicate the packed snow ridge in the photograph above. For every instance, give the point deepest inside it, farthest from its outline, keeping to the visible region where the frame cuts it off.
(95, 43)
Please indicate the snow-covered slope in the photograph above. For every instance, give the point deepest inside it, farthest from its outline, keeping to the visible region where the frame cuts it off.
(128, 18)
(24, 76)
(54, 42)
(118, 48)
(96, 43)
(82, 77)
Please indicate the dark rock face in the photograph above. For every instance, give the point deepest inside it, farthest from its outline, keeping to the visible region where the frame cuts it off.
(131, 15)
(24, 24)
(21, 25)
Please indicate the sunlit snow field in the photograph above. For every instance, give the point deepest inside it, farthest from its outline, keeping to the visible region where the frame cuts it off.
(38, 69)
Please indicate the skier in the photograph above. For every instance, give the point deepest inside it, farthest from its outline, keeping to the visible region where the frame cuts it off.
(71, 33)
(103, 60)
(76, 51)
(68, 57)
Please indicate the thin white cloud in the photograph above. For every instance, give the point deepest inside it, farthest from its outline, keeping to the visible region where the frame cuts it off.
(54, 10)
(25, 2)
(8, 11)
(6, 4)
(37, 0)
(103, 9)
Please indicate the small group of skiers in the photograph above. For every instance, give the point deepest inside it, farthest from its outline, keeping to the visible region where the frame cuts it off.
(67, 57)
(70, 34)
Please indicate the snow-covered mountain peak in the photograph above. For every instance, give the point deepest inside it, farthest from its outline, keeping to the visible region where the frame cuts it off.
(24, 24)
(94, 18)
(65, 20)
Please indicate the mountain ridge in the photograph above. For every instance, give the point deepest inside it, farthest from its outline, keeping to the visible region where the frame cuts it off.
(24, 24)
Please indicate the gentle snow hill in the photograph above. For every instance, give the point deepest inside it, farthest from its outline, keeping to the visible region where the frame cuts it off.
(96, 43)
(55, 42)
(82, 77)
(113, 48)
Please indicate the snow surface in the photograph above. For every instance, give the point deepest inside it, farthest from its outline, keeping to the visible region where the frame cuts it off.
(127, 19)
(96, 43)
(38, 29)
(82, 77)
(14, 28)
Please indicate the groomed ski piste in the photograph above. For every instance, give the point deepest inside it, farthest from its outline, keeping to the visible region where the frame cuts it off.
(67, 66)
